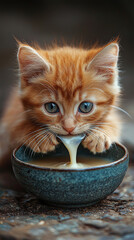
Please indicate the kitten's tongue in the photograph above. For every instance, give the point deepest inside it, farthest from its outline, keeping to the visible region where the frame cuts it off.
(72, 143)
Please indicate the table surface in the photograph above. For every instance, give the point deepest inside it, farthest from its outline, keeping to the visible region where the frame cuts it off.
(22, 216)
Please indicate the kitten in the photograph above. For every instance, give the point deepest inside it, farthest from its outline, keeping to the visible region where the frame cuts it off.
(62, 90)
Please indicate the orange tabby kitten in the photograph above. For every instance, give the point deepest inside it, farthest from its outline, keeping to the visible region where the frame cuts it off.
(62, 90)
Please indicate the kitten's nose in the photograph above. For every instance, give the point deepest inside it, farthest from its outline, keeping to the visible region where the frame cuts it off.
(68, 124)
(69, 129)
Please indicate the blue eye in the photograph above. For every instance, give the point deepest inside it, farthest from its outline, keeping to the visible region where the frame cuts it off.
(85, 107)
(51, 107)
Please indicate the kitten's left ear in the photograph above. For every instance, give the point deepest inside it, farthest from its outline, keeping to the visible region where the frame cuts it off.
(104, 64)
(31, 64)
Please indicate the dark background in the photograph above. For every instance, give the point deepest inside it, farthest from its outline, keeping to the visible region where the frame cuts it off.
(73, 21)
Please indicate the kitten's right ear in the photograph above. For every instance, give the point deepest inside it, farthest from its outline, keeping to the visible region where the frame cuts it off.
(31, 64)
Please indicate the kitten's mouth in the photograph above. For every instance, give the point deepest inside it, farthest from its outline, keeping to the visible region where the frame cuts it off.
(76, 134)
(71, 135)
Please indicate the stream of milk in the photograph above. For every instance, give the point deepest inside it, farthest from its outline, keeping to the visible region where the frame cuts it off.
(72, 143)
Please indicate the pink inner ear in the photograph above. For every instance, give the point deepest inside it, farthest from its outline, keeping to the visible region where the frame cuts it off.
(35, 74)
(105, 66)
(105, 63)
(24, 57)
(107, 58)
(31, 63)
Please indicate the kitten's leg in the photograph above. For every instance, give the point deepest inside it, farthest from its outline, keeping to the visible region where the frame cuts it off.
(103, 135)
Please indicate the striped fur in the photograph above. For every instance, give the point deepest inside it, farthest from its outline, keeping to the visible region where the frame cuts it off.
(67, 76)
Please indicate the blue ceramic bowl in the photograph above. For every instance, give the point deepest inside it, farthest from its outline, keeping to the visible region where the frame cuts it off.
(71, 187)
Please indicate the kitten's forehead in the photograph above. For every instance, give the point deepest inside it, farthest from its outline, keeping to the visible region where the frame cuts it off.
(72, 98)
(77, 95)
(67, 69)
(69, 81)
(68, 94)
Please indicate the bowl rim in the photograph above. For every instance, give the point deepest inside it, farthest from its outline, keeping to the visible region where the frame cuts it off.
(125, 156)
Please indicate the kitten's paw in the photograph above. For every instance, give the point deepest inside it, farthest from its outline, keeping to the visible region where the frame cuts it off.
(50, 144)
(45, 146)
(97, 143)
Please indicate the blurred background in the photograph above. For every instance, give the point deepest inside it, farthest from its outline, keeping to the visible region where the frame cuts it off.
(74, 21)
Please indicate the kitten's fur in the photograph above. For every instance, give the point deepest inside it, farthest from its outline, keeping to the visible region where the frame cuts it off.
(67, 76)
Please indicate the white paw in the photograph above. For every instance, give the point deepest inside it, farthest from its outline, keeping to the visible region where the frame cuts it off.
(98, 142)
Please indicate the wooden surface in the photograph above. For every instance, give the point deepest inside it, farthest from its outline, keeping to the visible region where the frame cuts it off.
(22, 216)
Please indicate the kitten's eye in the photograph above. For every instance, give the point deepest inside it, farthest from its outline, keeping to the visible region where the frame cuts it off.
(85, 107)
(51, 107)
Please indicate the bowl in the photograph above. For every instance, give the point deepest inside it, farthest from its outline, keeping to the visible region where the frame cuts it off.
(71, 187)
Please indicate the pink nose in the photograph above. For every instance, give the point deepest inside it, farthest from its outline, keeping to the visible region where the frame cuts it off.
(69, 129)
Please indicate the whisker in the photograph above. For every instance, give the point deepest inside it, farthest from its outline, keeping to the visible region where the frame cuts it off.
(34, 143)
(32, 133)
(44, 137)
(100, 125)
(83, 126)
(98, 130)
(39, 134)
(105, 123)
(122, 110)
(93, 134)
(35, 136)
(48, 140)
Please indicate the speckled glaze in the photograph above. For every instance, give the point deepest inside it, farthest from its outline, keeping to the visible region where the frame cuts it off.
(71, 188)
